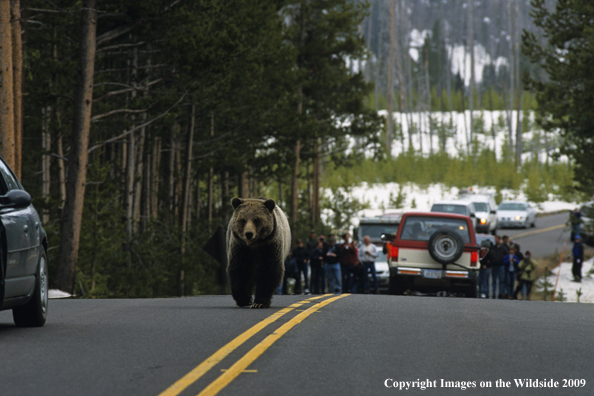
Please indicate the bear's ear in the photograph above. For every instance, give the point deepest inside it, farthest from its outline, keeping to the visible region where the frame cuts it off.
(236, 202)
(270, 204)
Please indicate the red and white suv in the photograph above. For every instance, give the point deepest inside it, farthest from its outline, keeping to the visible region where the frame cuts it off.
(434, 252)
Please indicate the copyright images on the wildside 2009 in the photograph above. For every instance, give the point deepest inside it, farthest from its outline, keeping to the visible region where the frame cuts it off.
(498, 383)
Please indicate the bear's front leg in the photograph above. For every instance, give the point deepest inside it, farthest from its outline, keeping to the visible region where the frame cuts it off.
(266, 283)
(240, 278)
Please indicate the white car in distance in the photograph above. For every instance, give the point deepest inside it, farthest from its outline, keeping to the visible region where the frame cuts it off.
(486, 217)
(516, 214)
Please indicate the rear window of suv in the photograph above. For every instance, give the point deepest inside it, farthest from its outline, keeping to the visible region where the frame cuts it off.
(421, 228)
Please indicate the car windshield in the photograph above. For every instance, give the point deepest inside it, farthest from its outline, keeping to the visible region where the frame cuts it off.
(375, 231)
(481, 206)
(450, 208)
(421, 228)
(512, 206)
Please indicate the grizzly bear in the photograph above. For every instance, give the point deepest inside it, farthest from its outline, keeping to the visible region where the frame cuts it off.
(258, 241)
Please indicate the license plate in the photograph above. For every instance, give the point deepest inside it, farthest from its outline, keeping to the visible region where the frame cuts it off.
(432, 274)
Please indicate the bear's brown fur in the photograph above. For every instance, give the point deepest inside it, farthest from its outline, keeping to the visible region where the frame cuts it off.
(258, 241)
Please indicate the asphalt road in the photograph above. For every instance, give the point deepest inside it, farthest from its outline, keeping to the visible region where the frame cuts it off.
(543, 240)
(354, 345)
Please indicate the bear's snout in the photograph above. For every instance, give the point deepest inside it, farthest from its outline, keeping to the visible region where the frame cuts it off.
(249, 231)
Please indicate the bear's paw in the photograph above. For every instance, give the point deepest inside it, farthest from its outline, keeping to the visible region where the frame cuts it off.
(260, 305)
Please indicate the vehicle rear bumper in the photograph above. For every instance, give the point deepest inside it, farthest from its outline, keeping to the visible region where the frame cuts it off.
(447, 274)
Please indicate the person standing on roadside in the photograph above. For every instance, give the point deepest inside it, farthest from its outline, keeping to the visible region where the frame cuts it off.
(316, 263)
(510, 264)
(367, 254)
(333, 267)
(348, 260)
(497, 269)
(486, 266)
(526, 275)
(301, 254)
(578, 259)
(312, 242)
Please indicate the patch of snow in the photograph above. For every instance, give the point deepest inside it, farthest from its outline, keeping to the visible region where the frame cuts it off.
(569, 287)
(55, 293)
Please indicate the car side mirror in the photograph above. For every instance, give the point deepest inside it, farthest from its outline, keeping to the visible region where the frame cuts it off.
(493, 212)
(388, 237)
(472, 215)
(16, 199)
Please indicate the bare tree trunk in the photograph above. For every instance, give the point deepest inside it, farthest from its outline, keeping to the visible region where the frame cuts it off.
(472, 77)
(129, 192)
(171, 177)
(225, 197)
(185, 207)
(316, 187)
(78, 159)
(428, 101)
(7, 121)
(146, 186)
(198, 197)
(518, 155)
(61, 171)
(405, 21)
(17, 67)
(211, 182)
(45, 159)
(138, 176)
(155, 178)
(402, 108)
(512, 80)
(390, 80)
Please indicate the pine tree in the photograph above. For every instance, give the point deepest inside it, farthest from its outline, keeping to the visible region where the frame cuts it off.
(566, 98)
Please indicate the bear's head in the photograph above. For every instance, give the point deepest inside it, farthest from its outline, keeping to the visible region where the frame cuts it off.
(253, 220)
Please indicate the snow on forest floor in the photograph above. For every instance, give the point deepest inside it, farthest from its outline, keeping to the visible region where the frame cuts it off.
(570, 288)
(380, 197)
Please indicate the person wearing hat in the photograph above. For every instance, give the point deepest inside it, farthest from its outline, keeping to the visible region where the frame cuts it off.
(578, 259)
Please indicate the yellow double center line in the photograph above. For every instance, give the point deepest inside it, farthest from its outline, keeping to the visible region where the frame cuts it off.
(525, 234)
(249, 357)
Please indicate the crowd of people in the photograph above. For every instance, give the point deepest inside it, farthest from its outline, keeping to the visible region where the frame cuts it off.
(322, 265)
(512, 272)
(505, 264)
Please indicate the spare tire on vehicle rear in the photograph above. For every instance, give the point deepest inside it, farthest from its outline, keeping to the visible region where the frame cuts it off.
(445, 246)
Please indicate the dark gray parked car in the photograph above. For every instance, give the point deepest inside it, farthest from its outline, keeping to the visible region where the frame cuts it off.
(23, 259)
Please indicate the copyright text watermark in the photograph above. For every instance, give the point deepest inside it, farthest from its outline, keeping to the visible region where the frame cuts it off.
(499, 383)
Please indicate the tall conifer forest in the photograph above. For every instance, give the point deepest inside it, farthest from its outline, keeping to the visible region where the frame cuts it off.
(133, 124)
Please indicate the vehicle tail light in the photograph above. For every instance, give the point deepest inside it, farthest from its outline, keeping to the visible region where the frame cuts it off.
(394, 253)
(474, 259)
